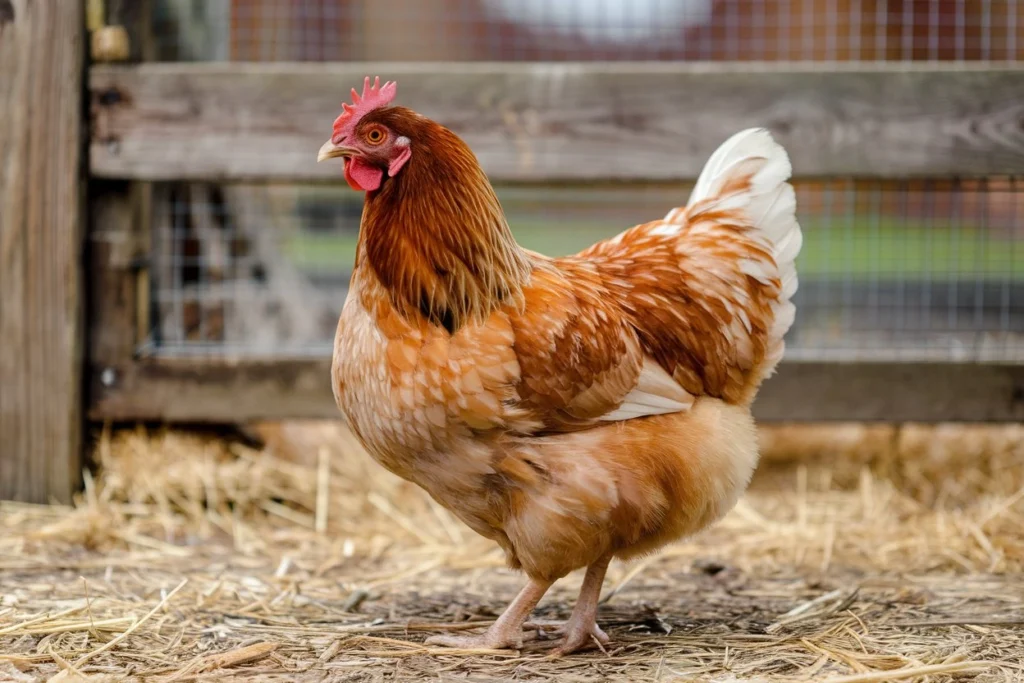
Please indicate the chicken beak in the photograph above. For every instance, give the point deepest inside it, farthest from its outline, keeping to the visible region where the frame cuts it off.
(329, 150)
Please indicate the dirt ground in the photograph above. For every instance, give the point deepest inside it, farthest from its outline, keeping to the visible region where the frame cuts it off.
(860, 554)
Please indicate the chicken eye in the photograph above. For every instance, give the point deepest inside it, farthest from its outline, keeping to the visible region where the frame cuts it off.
(375, 136)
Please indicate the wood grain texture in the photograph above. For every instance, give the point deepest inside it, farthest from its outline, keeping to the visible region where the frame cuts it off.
(573, 122)
(119, 242)
(214, 390)
(893, 392)
(118, 245)
(209, 390)
(41, 145)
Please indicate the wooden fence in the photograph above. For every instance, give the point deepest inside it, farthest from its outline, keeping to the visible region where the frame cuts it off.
(636, 122)
(42, 137)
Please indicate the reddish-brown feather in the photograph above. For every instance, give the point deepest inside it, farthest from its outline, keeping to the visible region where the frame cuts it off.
(483, 372)
(683, 295)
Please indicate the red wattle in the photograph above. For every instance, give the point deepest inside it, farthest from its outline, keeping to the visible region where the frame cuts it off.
(362, 176)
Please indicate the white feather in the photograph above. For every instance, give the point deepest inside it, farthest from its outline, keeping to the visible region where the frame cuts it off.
(785, 313)
(656, 393)
(667, 229)
(770, 204)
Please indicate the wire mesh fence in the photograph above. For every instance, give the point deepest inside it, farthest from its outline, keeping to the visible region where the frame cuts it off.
(588, 30)
(911, 270)
(923, 270)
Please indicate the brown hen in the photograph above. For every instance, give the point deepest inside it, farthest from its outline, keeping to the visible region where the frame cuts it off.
(571, 409)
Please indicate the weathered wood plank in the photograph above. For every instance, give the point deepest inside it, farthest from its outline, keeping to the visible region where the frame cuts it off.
(893, 392)
(207, 390)
(117, 251)
(41, 215)
(211, 390)
(580, 122)
(119, 237)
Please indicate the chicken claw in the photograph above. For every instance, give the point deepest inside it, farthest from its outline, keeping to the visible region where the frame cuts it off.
(491, 639)
(582, 630)
(507, 631)
(573, 637)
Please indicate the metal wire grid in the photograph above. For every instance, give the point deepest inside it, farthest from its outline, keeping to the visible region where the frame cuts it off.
(587, 30)
(224, 280)
(904, 270)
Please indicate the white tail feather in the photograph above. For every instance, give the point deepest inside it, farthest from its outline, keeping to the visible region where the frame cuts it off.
(770, 203)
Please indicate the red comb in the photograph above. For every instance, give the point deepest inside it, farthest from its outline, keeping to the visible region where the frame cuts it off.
(373, 97)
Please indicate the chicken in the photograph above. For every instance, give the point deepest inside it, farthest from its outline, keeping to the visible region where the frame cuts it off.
(574, 409)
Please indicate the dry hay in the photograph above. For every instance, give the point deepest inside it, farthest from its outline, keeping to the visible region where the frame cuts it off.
(192, 558)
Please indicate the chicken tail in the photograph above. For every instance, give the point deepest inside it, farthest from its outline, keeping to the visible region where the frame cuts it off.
(749, 172)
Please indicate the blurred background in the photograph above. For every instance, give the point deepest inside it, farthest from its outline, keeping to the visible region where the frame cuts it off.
(921, 269)
(589, 30)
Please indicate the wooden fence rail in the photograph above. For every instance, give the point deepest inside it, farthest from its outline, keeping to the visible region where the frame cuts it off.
(567, 122)
(225, 390)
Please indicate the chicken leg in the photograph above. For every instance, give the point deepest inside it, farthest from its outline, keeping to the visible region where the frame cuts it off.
(507, 631)
(582, 625)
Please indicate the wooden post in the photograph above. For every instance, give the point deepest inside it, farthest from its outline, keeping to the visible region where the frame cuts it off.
(42, 61)
(118, 236)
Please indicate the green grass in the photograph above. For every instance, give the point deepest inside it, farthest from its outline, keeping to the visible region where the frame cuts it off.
(860, 247)
(891, 248)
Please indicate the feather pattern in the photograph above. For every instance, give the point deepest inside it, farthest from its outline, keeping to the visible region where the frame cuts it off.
(696, 304)
(574, 406)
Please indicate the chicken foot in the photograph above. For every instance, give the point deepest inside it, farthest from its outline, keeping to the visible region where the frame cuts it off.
(507, 631)
(578, 632)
